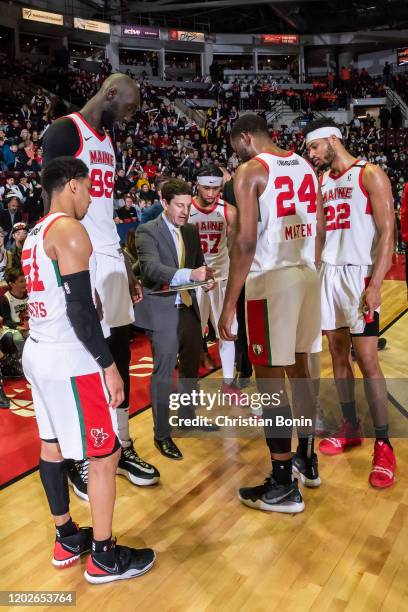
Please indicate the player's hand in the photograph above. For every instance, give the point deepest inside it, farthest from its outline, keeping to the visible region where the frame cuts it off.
(114, 385)
(201, 274)
(371, 300)
(225, 324)
(137, 293)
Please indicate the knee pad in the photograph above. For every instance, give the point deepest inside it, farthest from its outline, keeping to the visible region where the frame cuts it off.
(55, 482)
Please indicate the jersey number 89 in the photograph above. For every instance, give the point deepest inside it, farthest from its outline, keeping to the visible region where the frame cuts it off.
(102, 183)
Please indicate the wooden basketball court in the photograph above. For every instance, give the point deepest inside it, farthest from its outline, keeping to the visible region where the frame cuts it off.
(346, 552)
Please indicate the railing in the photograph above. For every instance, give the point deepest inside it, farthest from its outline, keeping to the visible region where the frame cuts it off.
(396, 100)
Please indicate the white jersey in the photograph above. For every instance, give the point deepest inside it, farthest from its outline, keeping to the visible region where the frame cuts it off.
(46, 298)
(97, 153)
(287, 214)
(351, 233)
(212, 227)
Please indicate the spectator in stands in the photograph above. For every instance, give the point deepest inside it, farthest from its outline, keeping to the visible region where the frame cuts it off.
(24, 114)
(384, 117)
(151, 169)
(10, 216)
(40, 104)
(10, 188)
(127, 213)
(122, 184)
(19, 235)
(396, 117)
(14, 308)
(147, 194)
(387, 74)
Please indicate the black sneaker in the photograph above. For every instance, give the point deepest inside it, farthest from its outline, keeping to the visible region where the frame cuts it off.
(135, 469)
(306, 469)
(68, 550)
(273, 497)
(4, 400)
(129, 563)
(78, 477)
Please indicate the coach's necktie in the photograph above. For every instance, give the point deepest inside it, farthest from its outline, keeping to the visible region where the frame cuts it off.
(181, 251)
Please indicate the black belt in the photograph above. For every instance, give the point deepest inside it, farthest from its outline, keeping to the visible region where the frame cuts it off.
(180, 306)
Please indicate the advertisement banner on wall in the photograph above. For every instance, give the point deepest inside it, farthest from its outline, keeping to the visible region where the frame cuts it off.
(279, 39)
(137, 31)
(186, 36)
(42, 16)
(92, 26)
(402, 56)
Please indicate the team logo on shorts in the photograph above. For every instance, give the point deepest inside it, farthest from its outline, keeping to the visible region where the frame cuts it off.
(257, 349)
(100, 436)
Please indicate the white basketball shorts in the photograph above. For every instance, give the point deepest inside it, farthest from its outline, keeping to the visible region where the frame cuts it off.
(70, 399)
(282, 315)
(342, 289)
(111, 282)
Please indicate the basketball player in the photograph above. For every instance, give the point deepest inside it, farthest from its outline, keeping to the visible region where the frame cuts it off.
(75, 383)
(84, 136)
(359, 211)
(279, 237)
(215, 220)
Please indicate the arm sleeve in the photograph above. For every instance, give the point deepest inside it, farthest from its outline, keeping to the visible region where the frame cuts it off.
(61, 138)
(150, 265)
(83, 316)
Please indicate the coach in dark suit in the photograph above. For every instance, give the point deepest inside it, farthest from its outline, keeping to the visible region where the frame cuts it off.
(170, 253)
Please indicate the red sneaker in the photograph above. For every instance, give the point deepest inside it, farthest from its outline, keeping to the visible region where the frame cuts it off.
(346, 437)
(68, 550)
(383, 468)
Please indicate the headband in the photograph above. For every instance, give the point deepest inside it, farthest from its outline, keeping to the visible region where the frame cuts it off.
(210, 181)
(323, 132)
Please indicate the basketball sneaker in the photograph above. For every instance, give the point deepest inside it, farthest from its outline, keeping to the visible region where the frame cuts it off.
(383, 468)
(231, 389)
(78, 477)
(346, 437)
(68, 550)
(273, 497)
(306, 469)
(128, 563)
(135, 469)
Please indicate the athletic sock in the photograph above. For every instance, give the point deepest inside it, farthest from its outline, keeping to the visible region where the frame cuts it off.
(349, 412)
(104, 551)
(381, 435)
(282, 471)
(306, 446)
(69, 528)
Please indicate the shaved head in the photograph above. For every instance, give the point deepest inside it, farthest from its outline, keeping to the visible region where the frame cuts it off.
(119, 97)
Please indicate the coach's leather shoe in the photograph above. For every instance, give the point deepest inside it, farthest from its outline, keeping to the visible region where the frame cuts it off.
(168, 448)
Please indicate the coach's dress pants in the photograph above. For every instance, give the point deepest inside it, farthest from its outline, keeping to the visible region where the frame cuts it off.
(184, 341)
